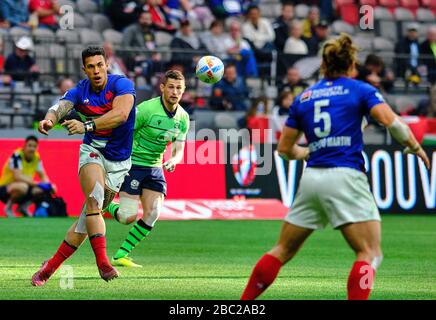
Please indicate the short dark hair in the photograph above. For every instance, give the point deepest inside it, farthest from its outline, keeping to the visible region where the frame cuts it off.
(230, 65)
(173, 74)
(252, 7)
(284, 94)
(215, 23)
(93, 51)
(374, 60)
(31, 138)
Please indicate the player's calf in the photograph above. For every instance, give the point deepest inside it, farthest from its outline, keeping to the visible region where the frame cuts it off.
(362, 275)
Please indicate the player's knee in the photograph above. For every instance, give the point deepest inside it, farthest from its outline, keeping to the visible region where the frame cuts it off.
(127, 211)
(96, 197)
(18, 188)
(151, 215)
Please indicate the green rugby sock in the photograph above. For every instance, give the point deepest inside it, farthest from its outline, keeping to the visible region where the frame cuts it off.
(138, 233)
(112, 208)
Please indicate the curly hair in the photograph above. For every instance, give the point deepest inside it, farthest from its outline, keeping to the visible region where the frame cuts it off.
(338, 56)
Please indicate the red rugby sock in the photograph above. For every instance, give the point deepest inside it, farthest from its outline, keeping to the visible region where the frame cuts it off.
(98, 244)
(65, 250)
(360, 281)
(264, 273)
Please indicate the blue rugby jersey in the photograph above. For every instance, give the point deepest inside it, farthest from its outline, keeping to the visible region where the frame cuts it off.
(330, 113)
(115, 144)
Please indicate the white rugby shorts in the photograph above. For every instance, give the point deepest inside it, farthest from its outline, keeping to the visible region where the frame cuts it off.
(332, 195)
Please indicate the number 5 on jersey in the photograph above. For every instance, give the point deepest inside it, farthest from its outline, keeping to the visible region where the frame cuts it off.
(324, 116)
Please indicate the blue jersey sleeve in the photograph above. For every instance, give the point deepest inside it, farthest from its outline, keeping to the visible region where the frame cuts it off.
(71, 95)
(124, 86)
(370, 96)
(292, 120)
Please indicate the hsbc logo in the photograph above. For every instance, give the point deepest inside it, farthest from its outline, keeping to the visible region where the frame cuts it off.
(244, 164)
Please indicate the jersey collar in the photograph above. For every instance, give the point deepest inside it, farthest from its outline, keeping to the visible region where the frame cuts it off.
(169, 114)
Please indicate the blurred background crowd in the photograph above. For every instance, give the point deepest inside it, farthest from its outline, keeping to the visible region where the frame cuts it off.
(271, 50)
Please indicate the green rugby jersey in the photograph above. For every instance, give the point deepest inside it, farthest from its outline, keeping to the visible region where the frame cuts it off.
(154, 129)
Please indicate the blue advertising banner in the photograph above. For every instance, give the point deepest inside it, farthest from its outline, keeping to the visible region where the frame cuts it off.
(400, 183)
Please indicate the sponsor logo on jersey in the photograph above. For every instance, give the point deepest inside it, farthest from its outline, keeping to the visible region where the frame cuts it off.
(306, 96)
(109, 95)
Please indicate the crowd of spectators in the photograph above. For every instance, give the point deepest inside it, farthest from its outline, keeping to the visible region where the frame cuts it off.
(235, 30)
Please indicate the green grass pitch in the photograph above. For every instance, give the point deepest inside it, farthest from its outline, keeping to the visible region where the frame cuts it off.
(213, 259)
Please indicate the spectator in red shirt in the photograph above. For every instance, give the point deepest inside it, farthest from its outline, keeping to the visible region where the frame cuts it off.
(159, 15)
(46, 10)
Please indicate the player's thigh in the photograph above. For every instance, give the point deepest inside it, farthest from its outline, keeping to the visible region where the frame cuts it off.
(92, 184)
(363, 237)
(17, 188)
(290, 240)
(350, 201)
(306, 211)
(89, 175)
(151, 200)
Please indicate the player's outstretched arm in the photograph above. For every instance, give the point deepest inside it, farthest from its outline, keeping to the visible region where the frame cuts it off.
(121, 107)
(288, 148)
(53, 115)
(399, 130)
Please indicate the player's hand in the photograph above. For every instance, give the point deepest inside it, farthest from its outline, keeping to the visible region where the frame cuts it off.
(169, 166)
(74, 127)
(419, 153)
(44, 126)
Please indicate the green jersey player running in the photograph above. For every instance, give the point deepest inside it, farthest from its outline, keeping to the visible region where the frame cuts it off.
(158, 121)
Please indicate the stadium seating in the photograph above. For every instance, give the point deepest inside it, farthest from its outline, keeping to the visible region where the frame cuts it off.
(368, 2)
(80, 21)
(412, 5)
(89, 36)
(100, 22)
(17, 32)
(364, 43)
(70, 3)
(113, 36)
(389, 4)
(341, 26)
(425, 15)
(430, 4)
(87, 6)
(163, 39)
(67, 36)
(301, 10)
(41, 35)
